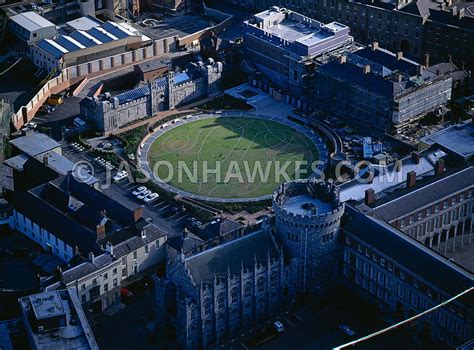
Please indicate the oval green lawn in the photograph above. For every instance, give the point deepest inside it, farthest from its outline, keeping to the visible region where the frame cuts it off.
(256, 149)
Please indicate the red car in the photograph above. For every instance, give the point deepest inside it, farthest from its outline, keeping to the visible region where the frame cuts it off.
(125, 293)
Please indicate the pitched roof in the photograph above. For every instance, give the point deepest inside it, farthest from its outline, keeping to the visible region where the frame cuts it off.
(421, 197)
(231, 256)
(409, 253)
(35, 143)
(31, 21)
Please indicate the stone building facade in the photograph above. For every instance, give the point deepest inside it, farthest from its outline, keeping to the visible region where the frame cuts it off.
(308, 216)
(108, 112)
(418, 28)
(209, 296)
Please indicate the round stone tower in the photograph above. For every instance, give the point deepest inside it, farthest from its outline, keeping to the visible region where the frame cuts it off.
(308, 216)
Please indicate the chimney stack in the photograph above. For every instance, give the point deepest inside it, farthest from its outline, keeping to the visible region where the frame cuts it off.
(439, 166)
(375, 45)
(342, 59)
(419, 69)
(399, 55)
(366, 69)
(185, 232)
(137, 213)
(369, 196)
(91, 257)
(398, 165)
(411, 179)
(427, 60)
(109, 248)
(46, 159)
(415, 157)
(100, 231)
(399, 77)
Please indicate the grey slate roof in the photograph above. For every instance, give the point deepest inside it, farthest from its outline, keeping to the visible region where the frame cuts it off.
(409, 253)
(189, 242)
(231, 256)
(418, 198)
(86, 268)
(35, 143)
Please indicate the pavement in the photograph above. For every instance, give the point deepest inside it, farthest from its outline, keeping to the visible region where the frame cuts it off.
(316, 328)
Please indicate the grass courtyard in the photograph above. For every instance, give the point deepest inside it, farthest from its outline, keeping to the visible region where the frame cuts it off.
(231, 157)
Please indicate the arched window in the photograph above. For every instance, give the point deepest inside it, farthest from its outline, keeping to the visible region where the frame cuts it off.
(234, 294)
(273, 279)
(248, 289)
(260, 284)
(207, 306)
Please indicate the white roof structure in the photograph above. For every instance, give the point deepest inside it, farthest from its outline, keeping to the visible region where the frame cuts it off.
(81, 39)
(31, 21)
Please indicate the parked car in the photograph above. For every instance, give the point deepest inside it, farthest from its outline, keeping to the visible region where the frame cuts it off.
(151, 197)
(120, 176)
(142, 195)
(125, 293)
(54, 100)
(346, 330)
(278, 326)
(139, 190)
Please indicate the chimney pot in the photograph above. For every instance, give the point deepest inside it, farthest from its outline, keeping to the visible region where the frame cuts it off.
(415, 157)
(398, 165)
(369, 196)
(46, 159)
(411, 179)
(427, 60)
(399, 55)
(342, 59)
(109, 248)
(366, 69)
(375, 45)
(439, 166)
(91, 257)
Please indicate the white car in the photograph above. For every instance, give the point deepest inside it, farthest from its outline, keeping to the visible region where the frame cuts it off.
(278, 326)
(120, 176)
(139, 190)
(151, 197)
(31, 125)
(143, 194)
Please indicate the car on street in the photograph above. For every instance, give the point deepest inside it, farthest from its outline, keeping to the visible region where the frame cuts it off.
(151, 197)
(278, 326)
(139, 190)
(120, 176)
(142, 195)
(344, 328)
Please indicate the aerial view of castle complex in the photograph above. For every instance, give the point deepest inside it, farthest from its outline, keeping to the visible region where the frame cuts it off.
(236, 174)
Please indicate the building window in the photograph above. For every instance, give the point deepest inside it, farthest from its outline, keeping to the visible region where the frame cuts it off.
(207, 306)
(124, 261)
(115, 282)
(83, 286)
(234, 295)
(114, 271)
(94, 281)
(261, 284)
(146, 249)
(135, 255)
(273, 279)
(124, 273)
(106, 288)
(248, 289)
(106, 276)
(220, 301)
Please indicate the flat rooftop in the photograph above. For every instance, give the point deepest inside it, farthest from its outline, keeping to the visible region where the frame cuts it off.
(46, 305)
(76, 334)
(302, 34)
(302, 204)
(169, 26)
(387, 179)
(458, 139)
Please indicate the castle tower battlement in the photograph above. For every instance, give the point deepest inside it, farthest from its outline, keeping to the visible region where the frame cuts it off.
(308, 216)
